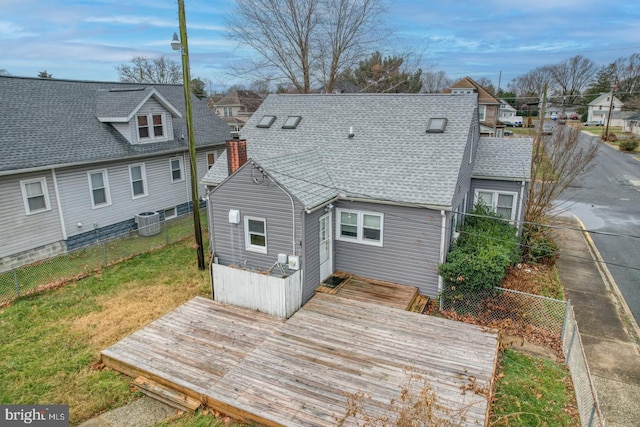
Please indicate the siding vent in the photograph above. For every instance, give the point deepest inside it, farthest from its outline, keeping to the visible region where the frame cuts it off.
(436, 125)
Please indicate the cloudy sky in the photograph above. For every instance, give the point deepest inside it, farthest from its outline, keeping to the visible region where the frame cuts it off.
(87, 39)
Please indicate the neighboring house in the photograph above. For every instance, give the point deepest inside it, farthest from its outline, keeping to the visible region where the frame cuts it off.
(598, 109)
(488, 106)
(236, 108)
(507, 111)
(369, 184)
(632, 124)
(80, 160)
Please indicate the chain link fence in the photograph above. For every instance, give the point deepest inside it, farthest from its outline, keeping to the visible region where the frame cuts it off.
(53, 272)
(546, 321)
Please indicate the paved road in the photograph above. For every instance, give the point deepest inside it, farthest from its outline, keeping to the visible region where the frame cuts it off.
(607, 199)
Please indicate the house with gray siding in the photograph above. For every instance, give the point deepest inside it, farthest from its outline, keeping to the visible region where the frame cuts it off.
(369, 184)
(81, 160)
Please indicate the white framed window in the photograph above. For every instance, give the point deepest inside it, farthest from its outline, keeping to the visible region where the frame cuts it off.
(228, 111)
(170, 213)
(255, 234)
(482, 112)
(35, 195)
(503, 203)
(99, 188)
(151, 127)
(360, 227)
(176, 169)
(138, 178)
(212, 156)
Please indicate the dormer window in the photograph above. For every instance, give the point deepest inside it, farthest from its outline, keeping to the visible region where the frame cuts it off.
(266, 121)
(436, 125)
(150, 127)
(292, 122)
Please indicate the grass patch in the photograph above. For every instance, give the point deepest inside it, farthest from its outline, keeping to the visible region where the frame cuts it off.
(85, 261)
(533, 392)
(201, 419)
(51, 342)
(538, 279)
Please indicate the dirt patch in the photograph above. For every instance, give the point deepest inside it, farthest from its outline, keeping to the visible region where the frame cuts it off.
(126, 312)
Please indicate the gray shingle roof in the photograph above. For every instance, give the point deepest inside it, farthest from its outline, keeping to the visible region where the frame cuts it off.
(503, 158)
(48, 122)
(303, 175)
(390, 157)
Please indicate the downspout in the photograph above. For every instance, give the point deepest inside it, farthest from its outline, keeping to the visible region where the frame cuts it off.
(59, 202)
(443, 233)
(522, 184)
(293, 217)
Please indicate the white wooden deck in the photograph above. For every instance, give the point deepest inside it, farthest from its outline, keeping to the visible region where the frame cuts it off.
(295, 373)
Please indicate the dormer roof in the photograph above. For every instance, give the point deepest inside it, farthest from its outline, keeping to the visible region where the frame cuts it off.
(484, 97)
(119, 105)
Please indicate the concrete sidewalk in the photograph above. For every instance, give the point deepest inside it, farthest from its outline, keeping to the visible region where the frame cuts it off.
(608, 331)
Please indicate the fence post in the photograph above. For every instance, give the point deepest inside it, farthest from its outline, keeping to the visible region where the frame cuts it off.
(104, 249)
(15, 279)
(166, 231)
(565, 320)
(570, 347)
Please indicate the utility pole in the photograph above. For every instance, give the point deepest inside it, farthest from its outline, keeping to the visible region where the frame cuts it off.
(183, 45)
(606, 131)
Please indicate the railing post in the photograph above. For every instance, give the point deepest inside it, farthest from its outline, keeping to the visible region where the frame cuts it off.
(15, 279)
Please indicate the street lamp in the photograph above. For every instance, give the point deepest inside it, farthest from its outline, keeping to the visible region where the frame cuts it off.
(182, 45)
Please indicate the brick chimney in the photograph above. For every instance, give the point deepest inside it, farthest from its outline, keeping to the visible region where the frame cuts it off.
(236, 154)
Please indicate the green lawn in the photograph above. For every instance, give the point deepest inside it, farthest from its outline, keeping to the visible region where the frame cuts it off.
(533, 392)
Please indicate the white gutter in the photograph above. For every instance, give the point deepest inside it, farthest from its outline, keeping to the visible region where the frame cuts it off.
(443, 234)
(59, 203)
(521, 204)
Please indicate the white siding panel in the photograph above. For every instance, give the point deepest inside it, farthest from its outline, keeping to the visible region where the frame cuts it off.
(18, 231)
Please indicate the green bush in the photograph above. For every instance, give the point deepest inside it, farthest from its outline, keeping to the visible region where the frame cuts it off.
(479, 260)
(628, 145)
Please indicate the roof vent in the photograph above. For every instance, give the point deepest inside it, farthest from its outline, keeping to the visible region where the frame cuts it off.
(436, 125)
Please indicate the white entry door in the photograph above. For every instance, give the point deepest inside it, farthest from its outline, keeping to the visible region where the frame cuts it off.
(326, 261)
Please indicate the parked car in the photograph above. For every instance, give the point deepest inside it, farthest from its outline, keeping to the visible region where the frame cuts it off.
(593, 123)
(508, 132)
(547, 128)
(574, 117)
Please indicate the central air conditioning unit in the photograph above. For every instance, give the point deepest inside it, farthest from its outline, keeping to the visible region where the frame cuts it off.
(148, 223)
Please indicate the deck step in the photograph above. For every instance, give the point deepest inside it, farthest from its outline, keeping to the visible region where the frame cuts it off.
(419, 304)
(166, 395)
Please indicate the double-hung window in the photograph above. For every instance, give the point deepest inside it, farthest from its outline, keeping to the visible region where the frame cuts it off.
(502, 203)
(150, 127)
(138, 178)
(255, 234)
(359, 226)
(211, 158)
(99, 187)
(176, 169)
(35, 195)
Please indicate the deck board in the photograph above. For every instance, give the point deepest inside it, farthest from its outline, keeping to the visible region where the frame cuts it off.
(295, 373)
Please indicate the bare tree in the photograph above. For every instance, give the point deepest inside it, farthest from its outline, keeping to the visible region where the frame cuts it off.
(627, 76)
(487, 84)
(4, 72)
(151, 70)
(435, 81)
(572, 76)
(558, 160)
(306, 41)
